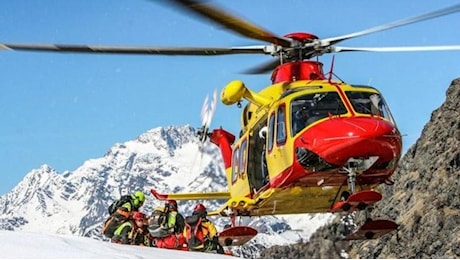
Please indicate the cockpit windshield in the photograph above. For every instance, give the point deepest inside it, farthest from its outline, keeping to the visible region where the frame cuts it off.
(310, 108)
(369, 103)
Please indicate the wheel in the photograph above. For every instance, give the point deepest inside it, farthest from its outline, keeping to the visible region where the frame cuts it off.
(346, 207)
(369, 235)
(228, 242)
(345, 195)
(362, 206)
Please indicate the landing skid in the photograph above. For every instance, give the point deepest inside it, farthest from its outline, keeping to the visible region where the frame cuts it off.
(373, 229)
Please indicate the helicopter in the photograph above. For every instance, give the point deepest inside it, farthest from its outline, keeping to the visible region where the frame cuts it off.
(308, 143)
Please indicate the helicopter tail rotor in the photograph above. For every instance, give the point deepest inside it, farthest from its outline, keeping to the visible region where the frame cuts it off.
(207, 112)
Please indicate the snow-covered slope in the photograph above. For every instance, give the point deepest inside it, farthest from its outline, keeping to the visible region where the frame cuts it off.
(30, 245)
(164, 158)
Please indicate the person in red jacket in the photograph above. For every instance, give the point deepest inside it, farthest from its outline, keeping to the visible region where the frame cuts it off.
(141, 235)
(200, 233)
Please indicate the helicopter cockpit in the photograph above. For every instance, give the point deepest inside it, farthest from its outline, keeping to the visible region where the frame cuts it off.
(309, 108)
(369, 103)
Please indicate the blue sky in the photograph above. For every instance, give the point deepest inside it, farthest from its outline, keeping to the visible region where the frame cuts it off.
(63, 109)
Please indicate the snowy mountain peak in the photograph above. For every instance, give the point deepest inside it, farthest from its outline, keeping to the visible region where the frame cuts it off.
(76, 202)
(38, 177)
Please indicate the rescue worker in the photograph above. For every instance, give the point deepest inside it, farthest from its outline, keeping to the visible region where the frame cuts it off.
(133, 232)
(205, 238)
(141, 234)
(174, 223)
(122, 211)
(137, 200)
(300, 119)
(171, 224)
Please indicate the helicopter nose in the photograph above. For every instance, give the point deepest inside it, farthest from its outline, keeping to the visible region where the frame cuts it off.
(338, 140)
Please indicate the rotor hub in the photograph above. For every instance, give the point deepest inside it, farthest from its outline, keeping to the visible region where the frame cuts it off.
(300, 70)
(302, 37)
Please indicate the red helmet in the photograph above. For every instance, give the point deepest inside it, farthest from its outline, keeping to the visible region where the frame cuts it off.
(171, 204)
(199, 207)
(138, 215)
(200, 210)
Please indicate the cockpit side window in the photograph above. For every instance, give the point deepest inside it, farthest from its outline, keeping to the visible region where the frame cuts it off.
(243, 156)
(271, 132)
(307, 109)
(235, 164)
(281, 125)
(369, 103)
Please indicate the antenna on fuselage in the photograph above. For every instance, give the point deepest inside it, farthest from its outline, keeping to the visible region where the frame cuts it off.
(331, 71)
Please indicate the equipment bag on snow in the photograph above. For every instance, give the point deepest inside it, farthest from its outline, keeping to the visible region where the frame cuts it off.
(117, 203)
(195, 233)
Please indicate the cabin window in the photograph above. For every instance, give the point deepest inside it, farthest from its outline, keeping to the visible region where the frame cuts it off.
(271, 131)
(235, 164)
(307, 109)
(243, 155)
(369, 103)
(245, 115)
(281, 125)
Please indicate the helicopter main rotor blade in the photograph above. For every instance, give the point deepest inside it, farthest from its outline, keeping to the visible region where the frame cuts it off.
(397, 49)
(232, 22)
(70, 48)
(430, 15)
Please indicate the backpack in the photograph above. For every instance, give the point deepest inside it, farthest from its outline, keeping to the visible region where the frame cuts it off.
(156, 221)
(180, 224)
(117, 203)
(195, 233)
(115, 220)
(112, 223)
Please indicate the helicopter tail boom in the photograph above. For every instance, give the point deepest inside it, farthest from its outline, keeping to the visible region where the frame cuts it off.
(191, 196)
